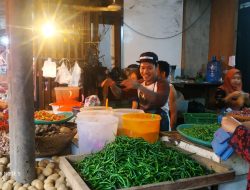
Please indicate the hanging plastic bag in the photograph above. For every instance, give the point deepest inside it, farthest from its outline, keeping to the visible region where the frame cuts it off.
(49, 68)
(63, 75)
(76, 75)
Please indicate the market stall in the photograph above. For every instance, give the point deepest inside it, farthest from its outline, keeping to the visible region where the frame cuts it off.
(182, 173)
(199, 145)
(239, 165)
(116, 149)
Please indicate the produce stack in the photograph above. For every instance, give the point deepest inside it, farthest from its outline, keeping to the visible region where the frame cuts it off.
(129, 162)
(50, 139)
(241, 115)
(53, 139)
(4, 129)
(53, 134)
(49, 176)
(199, 128)
(4, 143)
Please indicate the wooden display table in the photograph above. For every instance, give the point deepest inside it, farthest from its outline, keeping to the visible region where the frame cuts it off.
(222, 174)
(239, 165)
(191, 90)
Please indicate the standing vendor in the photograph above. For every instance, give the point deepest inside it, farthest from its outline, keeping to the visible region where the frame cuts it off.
(152, 91)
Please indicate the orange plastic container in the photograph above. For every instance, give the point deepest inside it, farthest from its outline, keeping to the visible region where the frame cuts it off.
(67, 93)
(65, 106)
(143, 125)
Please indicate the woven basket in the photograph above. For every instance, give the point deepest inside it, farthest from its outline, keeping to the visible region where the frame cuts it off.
(53, 145)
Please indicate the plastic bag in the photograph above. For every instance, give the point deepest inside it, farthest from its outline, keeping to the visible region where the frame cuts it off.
(63, 75)
(76, 75)
(220, 144)
(92, 100)
(49, 68)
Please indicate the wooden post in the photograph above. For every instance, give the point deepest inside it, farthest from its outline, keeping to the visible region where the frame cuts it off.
(21, 98)
(117, 36)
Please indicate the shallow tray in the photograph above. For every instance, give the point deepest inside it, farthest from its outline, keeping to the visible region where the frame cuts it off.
(222, 174)
(68, 116)
(192, 139)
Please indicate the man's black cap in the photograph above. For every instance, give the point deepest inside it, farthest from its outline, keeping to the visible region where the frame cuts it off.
(150, 57)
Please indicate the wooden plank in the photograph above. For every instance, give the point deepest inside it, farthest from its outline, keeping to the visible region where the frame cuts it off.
(191, 147)
(195, 182)
(222, 175)
(117, 35)
(238, 164)
(73, 177)
(223, 25)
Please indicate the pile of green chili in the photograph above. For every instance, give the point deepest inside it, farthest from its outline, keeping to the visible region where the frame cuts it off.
(131, 162)
(203, 132)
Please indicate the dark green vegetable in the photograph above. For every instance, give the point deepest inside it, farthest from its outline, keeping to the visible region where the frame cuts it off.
(203, 132)
(131, 162)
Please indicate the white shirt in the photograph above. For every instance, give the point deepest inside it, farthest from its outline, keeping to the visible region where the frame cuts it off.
(153, 87)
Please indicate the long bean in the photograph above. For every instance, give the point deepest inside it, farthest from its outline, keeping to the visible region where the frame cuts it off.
(131, 162)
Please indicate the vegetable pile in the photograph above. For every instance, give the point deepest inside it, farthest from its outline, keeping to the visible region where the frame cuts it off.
(40, 131)
(241, 115)
(131, 162)
(51, 130)
(49, 176)
(4, 124)
(203, 132)
(46, 116)
(4, 143)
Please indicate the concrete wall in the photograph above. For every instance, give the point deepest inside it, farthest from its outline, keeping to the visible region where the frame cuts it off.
(196, 37)
(157, 21)
(147, 26)
(106, 45)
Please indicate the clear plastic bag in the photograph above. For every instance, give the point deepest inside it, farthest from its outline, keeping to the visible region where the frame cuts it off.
(49, 68)
(76, 75)
(92, 100)
(63, 75)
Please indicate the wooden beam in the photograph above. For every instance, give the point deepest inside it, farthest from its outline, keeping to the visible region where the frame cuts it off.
(117, 33)
(223, 24)
(21, 98)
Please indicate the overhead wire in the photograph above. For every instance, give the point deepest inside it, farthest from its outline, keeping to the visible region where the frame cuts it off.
(174, 35)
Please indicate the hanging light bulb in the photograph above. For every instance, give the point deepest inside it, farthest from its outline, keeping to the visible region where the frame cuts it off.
(114, 6)
(48, 29)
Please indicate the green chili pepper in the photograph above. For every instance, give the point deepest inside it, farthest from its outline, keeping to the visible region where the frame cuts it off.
(131, 162)
(203, 132)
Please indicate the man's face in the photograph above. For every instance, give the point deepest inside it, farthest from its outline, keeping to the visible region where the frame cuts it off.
(160, 74)
(148, 71)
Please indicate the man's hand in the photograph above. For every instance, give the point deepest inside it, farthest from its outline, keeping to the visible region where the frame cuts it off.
(130, 84)
(107, 82)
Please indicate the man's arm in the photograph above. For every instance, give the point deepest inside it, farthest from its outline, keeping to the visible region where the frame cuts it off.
(114, 88)
(172, 106)
(158, 98)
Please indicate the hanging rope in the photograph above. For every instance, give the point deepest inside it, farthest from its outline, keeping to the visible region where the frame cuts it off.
(174, 35)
